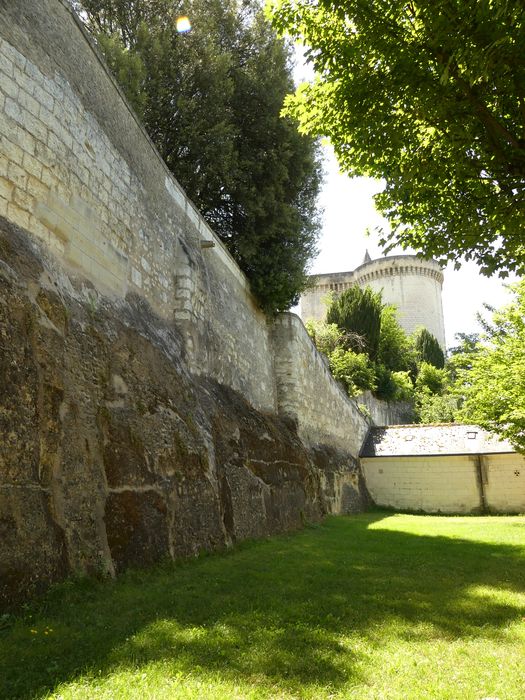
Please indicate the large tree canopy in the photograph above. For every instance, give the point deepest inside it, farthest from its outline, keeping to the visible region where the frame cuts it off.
(430, 96)
(211, 101)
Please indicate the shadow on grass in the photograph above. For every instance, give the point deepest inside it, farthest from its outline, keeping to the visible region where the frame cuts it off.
(274, 611)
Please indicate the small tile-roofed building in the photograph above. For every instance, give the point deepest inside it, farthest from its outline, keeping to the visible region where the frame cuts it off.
(447, 468)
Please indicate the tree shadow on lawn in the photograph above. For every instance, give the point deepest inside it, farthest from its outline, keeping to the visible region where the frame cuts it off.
(274, 611)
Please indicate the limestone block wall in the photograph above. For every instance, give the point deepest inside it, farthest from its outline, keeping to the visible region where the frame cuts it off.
(307, 392)
(448, 483)
(327, 421)
(385, 413)
(78, 172)
(156, 339)
(429, 484)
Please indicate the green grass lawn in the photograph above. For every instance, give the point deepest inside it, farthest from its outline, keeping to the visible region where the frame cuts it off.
(373, 606)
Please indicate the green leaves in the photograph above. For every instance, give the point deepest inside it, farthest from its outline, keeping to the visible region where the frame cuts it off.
(366, 347)
(354, 370)
(396, 349)
(430, 97)
(358, 312)
(128, 69)
(428, 348)
(494, 385)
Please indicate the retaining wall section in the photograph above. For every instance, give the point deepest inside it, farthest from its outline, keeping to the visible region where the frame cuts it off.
(384, 412)
(308, 394)
(78, 172)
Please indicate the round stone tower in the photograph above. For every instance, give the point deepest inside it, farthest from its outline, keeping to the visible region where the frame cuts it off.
(411, 283)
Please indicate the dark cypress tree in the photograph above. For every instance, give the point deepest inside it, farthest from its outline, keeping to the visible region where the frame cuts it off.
(358, 312)
(428, 349)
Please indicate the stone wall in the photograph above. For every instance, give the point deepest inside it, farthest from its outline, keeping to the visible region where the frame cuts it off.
(315, 301)
(148, 409)
(427, 484)
(504, 482)
(307, 393)
(325, 419)
(384, 412)
(112, 453)
(78, 172)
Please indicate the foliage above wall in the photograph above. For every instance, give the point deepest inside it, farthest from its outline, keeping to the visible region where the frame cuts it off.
(358, 312)
(211, 101)
(428, 348)
(430, 97)
(494, 383)
(368, 350)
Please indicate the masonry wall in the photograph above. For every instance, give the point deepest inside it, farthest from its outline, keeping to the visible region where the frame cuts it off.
(114, 454)
(309, 398)
(79, 173)
(384, 412)
(148, 407)
(447, 484)
(307, 392)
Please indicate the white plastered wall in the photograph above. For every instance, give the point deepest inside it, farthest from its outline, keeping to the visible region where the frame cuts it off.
(505, 483)
(447, 483)
(429, 484)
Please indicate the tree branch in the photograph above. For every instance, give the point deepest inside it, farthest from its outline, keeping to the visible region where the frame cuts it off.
(486, 116)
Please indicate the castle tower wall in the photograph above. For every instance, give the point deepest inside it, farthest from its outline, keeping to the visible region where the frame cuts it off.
(315, 301)
(412, 284)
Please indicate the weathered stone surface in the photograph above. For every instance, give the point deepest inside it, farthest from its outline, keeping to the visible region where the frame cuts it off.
(342, 482)
(112, 454)
(137, 527)
(148, 407)
(32, 544)
(268, 480)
